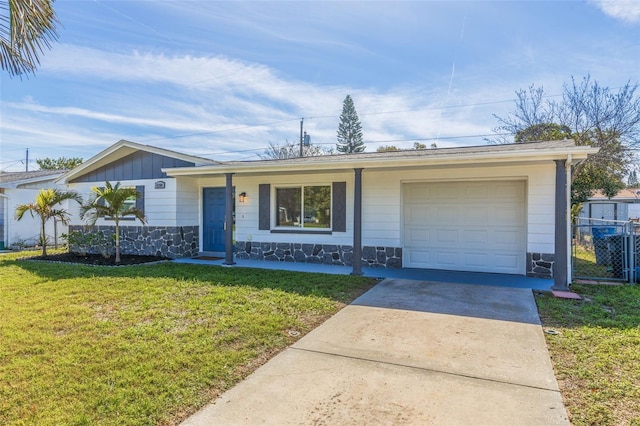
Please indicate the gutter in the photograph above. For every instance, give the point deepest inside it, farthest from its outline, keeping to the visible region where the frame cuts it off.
(337, 163)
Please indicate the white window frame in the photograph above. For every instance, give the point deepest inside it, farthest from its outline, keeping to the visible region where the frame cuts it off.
(300, 226)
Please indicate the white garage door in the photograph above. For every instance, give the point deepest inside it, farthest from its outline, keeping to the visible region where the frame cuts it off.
(465, 226)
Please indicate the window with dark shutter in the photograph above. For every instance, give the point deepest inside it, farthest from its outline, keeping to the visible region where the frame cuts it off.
(339, 207)
(140, 198)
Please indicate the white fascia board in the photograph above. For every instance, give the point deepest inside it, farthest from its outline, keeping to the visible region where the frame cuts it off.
(336, 163)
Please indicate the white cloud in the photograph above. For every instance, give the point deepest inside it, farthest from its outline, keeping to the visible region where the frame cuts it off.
(624, 10)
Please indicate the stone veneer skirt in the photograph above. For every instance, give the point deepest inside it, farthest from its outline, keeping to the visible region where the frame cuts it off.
(329, 254)
(168, 241)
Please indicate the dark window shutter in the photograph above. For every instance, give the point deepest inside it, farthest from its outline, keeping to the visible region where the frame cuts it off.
(264, 206)
(140, 198)
(100, 201)
(339, 207)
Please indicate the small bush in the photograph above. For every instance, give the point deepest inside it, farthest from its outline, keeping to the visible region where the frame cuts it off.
(83, 243)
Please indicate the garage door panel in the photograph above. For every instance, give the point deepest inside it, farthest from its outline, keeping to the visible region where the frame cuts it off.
(416, 236)
(476, 191)
(467, 226)
(505, 190)
(476, 236)
(482, 214)
(447, 214)
(506, 214)
(446, 191)
(474, 260)
(418, 214)
(447, 237)
(418, 256)
(446, 259)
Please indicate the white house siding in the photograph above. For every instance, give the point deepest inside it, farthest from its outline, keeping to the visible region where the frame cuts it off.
(247, 212)
(27, 230)
(382, 203)
(187, 202)
(168, 231)
(159, 204)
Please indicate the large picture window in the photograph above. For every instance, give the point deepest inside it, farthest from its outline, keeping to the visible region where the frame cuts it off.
(304, 207)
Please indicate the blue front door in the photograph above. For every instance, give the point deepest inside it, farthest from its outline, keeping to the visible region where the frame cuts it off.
(213, 219)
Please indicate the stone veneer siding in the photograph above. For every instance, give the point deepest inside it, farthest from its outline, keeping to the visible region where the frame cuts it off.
(328, 254)
(168, 241)
(540, 265)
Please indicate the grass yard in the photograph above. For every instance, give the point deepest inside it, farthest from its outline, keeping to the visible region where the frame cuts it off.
(596, 354)
(585, 265)
(145, 345)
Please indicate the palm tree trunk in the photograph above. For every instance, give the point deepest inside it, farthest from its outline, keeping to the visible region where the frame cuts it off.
(117, 242)
(43, 237)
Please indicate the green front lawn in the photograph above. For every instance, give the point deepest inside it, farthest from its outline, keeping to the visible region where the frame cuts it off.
(596, 354)
(145, 344)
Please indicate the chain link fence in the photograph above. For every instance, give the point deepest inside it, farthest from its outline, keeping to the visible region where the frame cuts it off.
(606, 250)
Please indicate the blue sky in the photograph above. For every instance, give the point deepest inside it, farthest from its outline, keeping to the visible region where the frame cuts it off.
(224, 79)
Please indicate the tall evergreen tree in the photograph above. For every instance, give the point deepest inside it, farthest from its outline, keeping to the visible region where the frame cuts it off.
(349, 129)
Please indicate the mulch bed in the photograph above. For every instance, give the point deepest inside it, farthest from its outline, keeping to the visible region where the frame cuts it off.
(98, 260)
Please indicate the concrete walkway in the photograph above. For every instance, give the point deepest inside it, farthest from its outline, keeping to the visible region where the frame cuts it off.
(482, 278)
(407, 352)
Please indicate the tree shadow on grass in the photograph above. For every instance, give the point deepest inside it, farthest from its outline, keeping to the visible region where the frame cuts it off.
(341, 288)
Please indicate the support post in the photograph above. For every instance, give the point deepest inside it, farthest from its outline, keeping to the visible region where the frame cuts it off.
(228, 221)
(560, 259)
(357, 223)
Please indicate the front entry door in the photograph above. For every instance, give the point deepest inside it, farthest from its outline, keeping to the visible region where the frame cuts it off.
(213, 206)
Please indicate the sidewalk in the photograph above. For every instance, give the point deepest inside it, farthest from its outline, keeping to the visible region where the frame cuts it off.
(407, 352)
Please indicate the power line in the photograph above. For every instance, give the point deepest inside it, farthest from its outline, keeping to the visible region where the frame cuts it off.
(250, 126)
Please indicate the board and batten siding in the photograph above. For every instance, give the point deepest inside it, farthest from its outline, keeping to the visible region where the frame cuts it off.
(139, 165)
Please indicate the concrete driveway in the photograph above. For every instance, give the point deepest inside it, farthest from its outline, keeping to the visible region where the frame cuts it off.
(407, 352)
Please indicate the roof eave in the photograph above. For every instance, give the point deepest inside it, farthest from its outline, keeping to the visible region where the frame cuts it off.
(575, 154)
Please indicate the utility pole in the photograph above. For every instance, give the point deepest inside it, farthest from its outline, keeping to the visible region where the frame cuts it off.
(301, 137)
(26, 163)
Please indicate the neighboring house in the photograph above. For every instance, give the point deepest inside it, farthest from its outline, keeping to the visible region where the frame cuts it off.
(21, 188)
(493, 208)
(172, 230)
(624, 206)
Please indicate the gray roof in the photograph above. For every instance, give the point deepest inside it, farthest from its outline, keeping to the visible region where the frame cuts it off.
(417, 153)
(7, 177)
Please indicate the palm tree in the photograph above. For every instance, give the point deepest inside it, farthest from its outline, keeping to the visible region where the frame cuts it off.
(112, 202)
(27, 27)
(44, 206)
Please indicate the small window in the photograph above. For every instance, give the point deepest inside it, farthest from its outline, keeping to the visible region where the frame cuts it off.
(130, 202)
(304, 207)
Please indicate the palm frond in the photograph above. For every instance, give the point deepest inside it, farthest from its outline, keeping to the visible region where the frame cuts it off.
(27, 29)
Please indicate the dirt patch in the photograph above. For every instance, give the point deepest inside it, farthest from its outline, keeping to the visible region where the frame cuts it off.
(97, 259)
